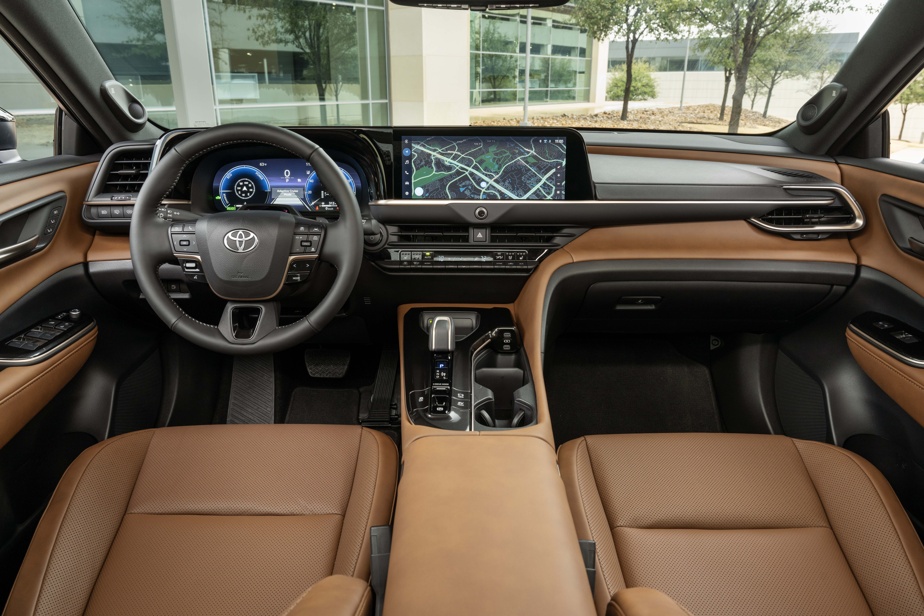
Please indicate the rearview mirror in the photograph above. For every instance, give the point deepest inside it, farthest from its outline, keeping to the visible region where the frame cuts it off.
(480, 5)
(8, 153)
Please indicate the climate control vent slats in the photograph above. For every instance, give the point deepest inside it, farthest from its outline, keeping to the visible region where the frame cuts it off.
(429, 234)
(810, 216)
(535, 234)
(127, 172)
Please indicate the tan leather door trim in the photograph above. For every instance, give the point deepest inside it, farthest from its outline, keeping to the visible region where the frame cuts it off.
(874, 244)
(903, 383)
(25, 390)
(70, 244)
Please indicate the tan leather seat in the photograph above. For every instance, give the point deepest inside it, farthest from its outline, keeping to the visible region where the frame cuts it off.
(743, 524)
(209, 520)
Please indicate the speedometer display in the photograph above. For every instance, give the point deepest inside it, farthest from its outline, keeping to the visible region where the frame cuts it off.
(287, 182)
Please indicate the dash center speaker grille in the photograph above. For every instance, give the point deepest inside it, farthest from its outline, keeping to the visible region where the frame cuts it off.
(800, 402)
(138, 397)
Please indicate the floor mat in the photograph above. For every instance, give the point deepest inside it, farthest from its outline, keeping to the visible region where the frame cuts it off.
(310, 405)
(621, 384)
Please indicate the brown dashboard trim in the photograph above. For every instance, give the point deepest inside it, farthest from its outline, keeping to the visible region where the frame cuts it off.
(829, 170)
(107, 247)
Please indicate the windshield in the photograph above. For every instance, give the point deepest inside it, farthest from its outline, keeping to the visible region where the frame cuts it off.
(679, 65)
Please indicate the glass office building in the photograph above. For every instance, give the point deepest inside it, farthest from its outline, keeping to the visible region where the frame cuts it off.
(559, 63)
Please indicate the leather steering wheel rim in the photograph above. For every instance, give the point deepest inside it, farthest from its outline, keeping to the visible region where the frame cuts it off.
(151, 247)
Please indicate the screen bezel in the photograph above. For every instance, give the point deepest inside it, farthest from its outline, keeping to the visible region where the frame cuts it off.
(578, 184)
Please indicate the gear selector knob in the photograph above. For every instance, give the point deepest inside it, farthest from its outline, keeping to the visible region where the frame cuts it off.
(442, 335)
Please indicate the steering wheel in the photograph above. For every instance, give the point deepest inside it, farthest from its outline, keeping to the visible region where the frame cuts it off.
(244, 256)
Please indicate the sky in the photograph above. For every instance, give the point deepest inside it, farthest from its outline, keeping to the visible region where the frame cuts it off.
(855, 21)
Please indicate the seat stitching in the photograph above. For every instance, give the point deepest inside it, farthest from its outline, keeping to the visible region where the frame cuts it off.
(375, 485)
(349, 497)
(888, 513)
(827, 517)
(124, 513)
(64, 516)
(585, 508)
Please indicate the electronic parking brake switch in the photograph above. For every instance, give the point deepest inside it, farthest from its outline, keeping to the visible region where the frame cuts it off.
(442, 344)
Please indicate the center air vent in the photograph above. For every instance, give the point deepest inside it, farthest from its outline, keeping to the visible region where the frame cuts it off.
(429, 234)
(126, 169)
(543, 235)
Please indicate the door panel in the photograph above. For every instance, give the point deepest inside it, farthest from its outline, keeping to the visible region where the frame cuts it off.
(903, 383)
(874, 244)
(69, 244)
(25, 390)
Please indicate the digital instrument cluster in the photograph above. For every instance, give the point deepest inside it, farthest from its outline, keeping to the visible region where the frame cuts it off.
(289, 182)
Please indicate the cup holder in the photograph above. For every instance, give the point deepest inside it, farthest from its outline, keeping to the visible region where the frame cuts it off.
(503, 393)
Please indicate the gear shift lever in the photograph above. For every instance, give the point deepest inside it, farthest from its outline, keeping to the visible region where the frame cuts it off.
(442, 335)
(442, 344)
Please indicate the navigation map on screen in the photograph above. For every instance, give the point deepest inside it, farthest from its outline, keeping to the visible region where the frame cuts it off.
(483, 167)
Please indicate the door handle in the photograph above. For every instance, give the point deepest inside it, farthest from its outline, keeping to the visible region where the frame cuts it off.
(916, 246)
(15, 251)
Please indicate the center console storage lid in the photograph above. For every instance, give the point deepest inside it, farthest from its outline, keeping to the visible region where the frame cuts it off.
(482, 526)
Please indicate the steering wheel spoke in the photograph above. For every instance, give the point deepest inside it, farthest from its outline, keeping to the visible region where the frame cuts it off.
(246, 323)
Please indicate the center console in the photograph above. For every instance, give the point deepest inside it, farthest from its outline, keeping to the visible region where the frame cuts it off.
(466, 370)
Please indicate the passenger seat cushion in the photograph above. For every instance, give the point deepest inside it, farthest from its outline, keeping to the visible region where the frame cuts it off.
(733, 524)
(208, 520)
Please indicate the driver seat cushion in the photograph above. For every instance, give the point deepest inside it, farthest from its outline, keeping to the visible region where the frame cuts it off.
(229, 519)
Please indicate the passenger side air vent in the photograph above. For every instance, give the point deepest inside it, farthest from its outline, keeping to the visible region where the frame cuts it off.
(544, 235)
(816, 211)
(127, 171)
(840, 215)
(429, 234)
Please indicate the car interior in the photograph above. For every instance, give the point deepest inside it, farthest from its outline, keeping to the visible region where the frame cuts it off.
(262, 370)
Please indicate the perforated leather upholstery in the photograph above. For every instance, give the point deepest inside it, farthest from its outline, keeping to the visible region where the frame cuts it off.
(743, 524)
(208, 520)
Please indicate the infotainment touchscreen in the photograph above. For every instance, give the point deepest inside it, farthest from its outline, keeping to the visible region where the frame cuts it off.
(483, 167)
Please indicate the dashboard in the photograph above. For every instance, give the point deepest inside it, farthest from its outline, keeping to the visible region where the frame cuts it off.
(287, 182)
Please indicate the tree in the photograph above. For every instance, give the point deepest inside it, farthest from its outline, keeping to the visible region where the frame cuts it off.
(498, 69)
(146, 19)
(630, 20)
(744, 25)
(794, 52)
(912, 95)
(644, 86)
(717, 52)
(324, 33)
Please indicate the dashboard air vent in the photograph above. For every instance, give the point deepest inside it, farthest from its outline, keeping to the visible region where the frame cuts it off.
(793, 173)
(127, 171)
(528, 234)
(429, 234)
(835, 215)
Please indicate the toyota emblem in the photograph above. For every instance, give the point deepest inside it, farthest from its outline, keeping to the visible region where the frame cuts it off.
(241, 240)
